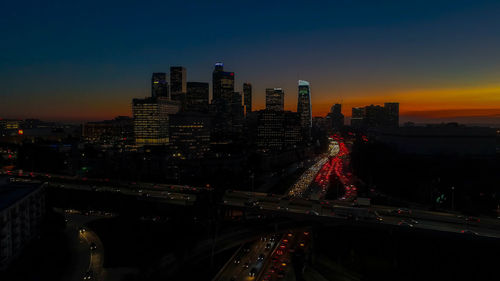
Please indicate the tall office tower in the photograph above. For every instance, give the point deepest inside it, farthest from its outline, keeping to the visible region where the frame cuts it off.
(197, 97)
(190, 135)
(222, 103)
(237, 105)
(247, 96)
(357, 117)
(178, 82)
(335, 118)
(292, 130)
(178, 85)
(151, 120)
(392, 111)
(275, 99)
(304, 105)
(222, 83)
(159, 85)
(237, 113)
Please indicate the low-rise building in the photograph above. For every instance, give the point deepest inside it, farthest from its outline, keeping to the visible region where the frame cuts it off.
(22, 207)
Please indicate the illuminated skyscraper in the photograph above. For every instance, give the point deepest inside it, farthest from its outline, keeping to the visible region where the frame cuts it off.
(159, 85)
(247, 96)
(275, 99)
(151, 120)
(178, 85)
(304, 105)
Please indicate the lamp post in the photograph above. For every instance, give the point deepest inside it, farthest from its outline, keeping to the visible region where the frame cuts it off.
(453, 198)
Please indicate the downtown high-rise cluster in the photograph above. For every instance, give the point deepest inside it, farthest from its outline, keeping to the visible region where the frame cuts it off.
(180, 115)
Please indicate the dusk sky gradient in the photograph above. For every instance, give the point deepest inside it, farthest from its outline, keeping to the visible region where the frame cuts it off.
(86, 60)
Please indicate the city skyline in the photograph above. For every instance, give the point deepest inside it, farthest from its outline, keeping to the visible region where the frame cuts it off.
(437, 111)
(235, 141)
(430, 58)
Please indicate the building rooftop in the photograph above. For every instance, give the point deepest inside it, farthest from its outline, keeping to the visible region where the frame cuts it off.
(10, 193)
(303, 83)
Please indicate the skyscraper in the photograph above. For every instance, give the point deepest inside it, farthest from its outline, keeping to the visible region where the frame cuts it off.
(222, 103)
(247, 96)
(275, 99)
(178, 83)
(197, 97)
(304, 105)
(392, 111)
(237, 113)
(159, 85)
(222, 83)
(151, 120)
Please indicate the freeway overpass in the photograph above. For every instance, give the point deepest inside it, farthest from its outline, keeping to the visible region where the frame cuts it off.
(341, 211)
(165, 193)
(287, 206)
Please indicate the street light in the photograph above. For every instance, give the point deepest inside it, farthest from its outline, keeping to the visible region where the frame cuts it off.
(453, 198)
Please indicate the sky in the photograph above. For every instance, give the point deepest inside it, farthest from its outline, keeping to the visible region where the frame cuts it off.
(86, 60)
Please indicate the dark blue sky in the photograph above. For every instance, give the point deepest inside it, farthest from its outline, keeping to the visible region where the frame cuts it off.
(87, 59)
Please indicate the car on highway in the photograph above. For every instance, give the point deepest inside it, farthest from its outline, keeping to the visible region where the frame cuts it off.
(252, 272)
(402, 211)
(82, 230)
(93, 246)
(412, 221)
(312, 212)
(282, 208)
(268, 246)
(469, 232)
(472, 219)
(261, 257)
(89, 275)
(246, 248)
(405, 224)
(275, 237)
(246, 265)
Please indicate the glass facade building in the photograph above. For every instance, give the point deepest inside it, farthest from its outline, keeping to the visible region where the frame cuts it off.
(159, 85)
(304, 105)
(275, 99)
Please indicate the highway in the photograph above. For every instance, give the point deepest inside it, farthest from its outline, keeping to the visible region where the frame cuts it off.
(172, 194)
(305, 198)
(248, 262)
(159, 193)
(279, 265)
(341, 210)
